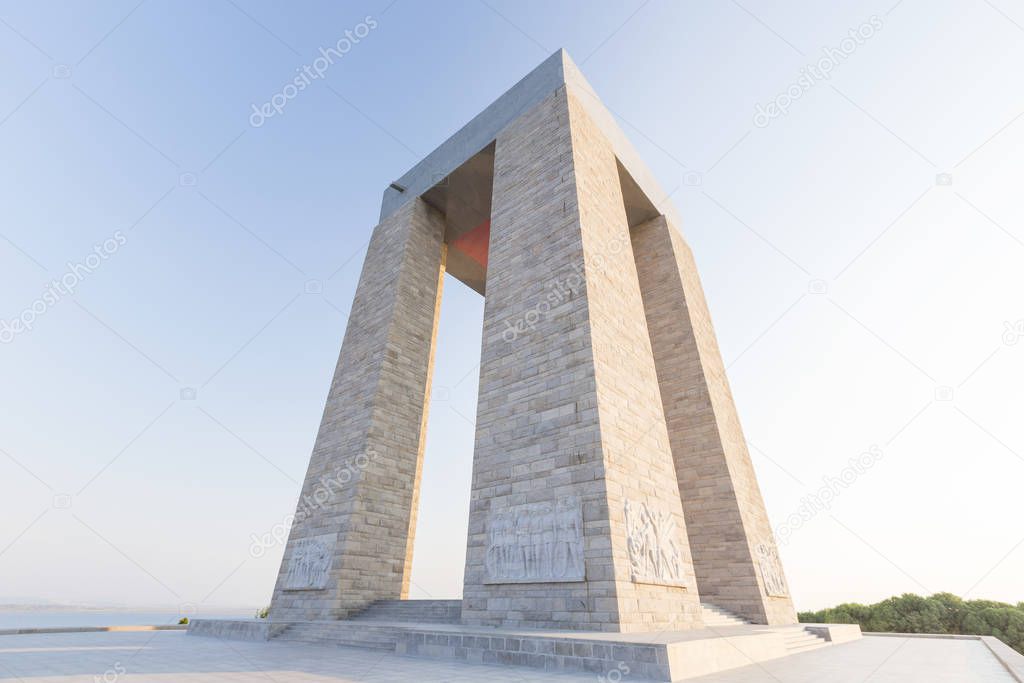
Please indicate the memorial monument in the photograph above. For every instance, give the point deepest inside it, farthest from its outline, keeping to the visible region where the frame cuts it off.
(612, 488)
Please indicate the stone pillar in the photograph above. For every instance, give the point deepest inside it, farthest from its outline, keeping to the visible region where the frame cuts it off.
(351, 542)
(734, 551)
(575, 518)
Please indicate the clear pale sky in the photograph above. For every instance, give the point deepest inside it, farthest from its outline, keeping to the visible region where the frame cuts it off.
(852, 284)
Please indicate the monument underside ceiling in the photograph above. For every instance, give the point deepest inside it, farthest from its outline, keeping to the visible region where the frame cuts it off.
(464, 196)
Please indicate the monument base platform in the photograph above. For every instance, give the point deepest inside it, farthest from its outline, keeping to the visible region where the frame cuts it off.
(662, 656)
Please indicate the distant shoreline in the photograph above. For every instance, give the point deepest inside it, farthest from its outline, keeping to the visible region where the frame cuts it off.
(13, 607)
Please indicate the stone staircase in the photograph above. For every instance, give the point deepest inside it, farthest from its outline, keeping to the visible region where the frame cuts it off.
(799, 639)
(373, 627)
(796, 637)
(412, 611)
(716, 617)
(343, 633)
(430, 628)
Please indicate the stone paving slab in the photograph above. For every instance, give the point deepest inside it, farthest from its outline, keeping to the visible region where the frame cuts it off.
(879, 660)
(173, 657)
(165, 656)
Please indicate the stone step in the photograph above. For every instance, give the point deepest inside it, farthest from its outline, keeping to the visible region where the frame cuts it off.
(715, 617)
(399, 616)
(799, 639)
(340, 633)
(418, 604)
(396, 611)
(532, 648)
(658, 656)
(342, 642)
(412, 611)
(798, 632)
(722, 617)
(806, 647)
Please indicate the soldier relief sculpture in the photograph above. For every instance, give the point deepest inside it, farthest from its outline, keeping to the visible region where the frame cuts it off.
(309, 565)
(540, 542)
(771, 570)
(652, 541)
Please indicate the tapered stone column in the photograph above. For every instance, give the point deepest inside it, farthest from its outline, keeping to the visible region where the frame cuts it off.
(734, 551)
(612, 487)
(351, 542)
(575, 518)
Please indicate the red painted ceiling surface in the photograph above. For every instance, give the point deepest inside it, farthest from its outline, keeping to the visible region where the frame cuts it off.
(473, 243)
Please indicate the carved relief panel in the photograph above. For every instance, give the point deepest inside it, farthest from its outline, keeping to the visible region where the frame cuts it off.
(536, 542)
(771, 570)
(310, 563)
(655, 550)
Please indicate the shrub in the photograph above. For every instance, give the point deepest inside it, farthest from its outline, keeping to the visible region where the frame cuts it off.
(939, 613)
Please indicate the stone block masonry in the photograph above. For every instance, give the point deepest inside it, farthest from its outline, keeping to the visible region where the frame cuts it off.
(612, 490)
(731, 538)
(360, 539)
(570, 408)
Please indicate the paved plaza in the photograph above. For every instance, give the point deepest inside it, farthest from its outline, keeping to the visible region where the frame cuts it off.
(166, 656)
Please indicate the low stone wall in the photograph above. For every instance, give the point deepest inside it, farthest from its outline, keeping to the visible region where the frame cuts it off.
(1007, 656)
(641, 660)
(659, 656)
(257, 629)
(693, 658)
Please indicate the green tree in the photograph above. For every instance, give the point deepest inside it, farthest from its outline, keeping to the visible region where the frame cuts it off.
(940, 613)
